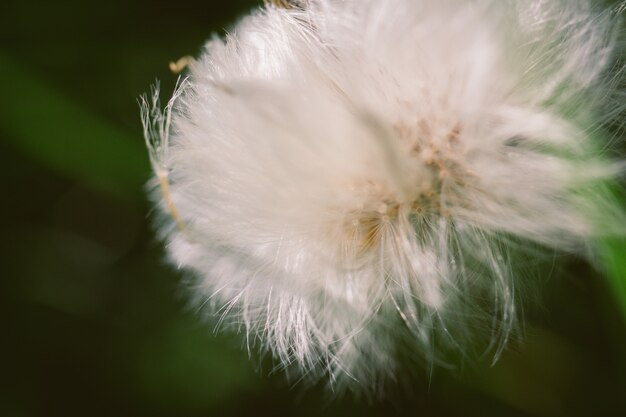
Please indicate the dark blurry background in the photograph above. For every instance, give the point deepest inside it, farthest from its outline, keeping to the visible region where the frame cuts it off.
(93, 322)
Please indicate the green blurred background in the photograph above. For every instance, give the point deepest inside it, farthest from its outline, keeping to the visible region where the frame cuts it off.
(94, 322)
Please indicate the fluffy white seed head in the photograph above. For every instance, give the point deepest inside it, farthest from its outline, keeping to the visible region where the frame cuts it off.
(344, 179)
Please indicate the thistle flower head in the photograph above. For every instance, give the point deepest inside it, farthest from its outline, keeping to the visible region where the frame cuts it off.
(343, 178)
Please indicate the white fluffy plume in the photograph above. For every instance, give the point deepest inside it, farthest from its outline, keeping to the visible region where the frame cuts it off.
(349, 180)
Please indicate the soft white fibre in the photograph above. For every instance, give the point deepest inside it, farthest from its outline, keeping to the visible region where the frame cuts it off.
(348, 180)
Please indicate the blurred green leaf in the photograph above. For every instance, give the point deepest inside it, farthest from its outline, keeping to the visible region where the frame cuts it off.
(537, 381)
(614, 254)
(66, 137)
(187, 371)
